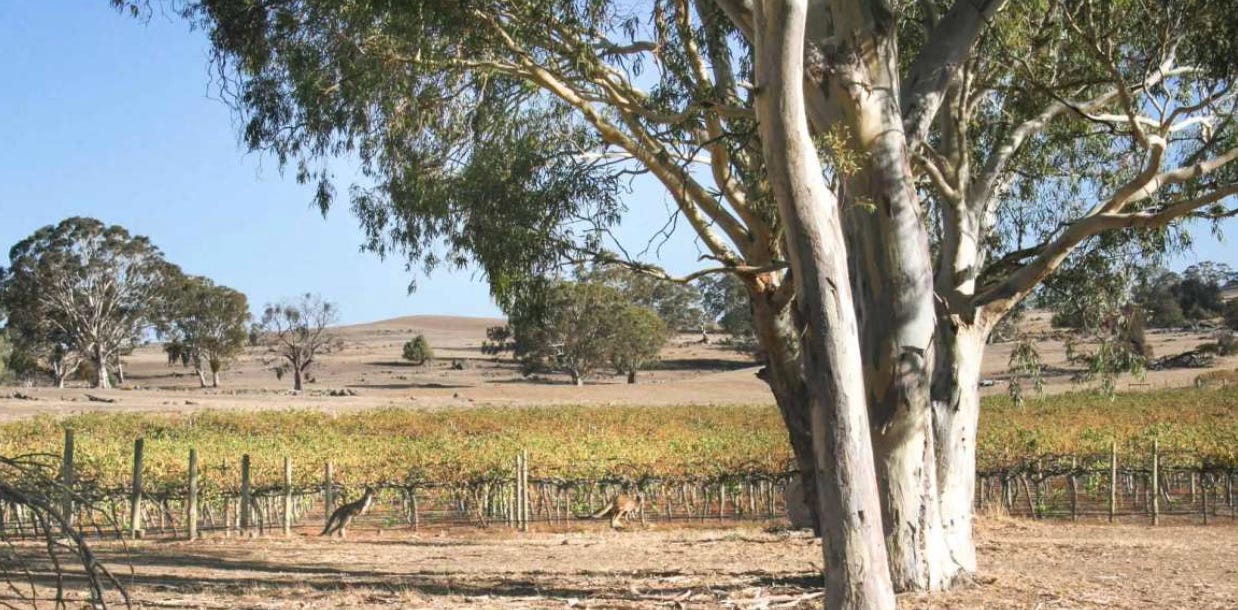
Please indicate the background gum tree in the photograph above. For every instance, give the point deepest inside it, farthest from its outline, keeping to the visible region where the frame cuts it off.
(887, 180)
(206, 323)
(82, 287)
(582, 327)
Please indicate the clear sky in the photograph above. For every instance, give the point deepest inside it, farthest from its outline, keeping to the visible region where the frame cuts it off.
(105, 116)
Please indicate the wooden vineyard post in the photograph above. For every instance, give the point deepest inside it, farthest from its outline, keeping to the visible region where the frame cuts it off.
(246, 508)
(1074, 489)
(192, 500)
(412, 501)
(287, 496)
(66, 478)
(1113, 480)
(1156, 489)
(523, 478)
(1229, 494)
(1203, 496)
(227, 507)
(521, 493)
(328, 492)
(520, 490)
(135, 492)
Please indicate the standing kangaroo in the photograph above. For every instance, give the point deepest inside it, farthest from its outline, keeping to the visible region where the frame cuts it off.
(621, 508)
(346, 513)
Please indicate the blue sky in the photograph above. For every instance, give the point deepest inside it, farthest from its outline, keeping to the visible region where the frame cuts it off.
(105, 116)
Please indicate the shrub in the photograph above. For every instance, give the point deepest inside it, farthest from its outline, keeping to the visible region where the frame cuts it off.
(1231, 313)
(418, 351)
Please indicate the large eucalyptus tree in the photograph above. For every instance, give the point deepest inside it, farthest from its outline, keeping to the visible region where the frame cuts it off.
(887, 179)
(83, 287)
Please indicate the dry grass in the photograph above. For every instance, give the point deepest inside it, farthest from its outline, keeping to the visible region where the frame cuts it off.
(1213, 379)
(690, 374)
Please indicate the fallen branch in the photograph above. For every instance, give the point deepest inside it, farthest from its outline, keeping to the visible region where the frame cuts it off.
(93, 398)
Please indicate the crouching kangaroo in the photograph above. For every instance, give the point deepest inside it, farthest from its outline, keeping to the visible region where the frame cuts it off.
(339, 520)
(621, 508)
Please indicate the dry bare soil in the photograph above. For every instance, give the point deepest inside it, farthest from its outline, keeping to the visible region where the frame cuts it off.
(1025, 565)
(371, 374)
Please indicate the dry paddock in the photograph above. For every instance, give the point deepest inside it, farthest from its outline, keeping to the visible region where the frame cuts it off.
(1025, 565)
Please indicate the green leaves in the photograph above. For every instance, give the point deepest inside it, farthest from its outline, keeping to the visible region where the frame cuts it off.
(205, 323)
(579, 327)
(418, 350)
(82, 288)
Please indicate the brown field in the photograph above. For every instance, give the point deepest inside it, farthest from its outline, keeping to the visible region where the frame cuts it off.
(1025, 564)
(370, 366)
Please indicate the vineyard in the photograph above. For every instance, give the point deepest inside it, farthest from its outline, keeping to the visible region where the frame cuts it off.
(1066, 455)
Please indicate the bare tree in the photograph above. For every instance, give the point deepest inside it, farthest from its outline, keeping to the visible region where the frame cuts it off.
(29, 484)
(296, 333)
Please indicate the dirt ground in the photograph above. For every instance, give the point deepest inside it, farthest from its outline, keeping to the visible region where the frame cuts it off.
(371, 374)
(1025, 565)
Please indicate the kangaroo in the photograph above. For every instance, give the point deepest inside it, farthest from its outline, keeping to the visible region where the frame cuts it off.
(621, 508)
(346, 513)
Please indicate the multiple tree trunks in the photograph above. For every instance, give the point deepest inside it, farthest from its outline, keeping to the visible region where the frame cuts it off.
(857, 572)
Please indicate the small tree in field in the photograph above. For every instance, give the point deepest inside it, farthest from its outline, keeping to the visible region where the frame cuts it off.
(1231, 313)
(418, 351)
(206, 324)
(498, 340)
(581, 327)
(297, 332)
(638, 335)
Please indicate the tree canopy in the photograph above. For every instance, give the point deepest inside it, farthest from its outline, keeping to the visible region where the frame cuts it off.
(886, 180)
(205, 323)
(582, 327)
(82, 289)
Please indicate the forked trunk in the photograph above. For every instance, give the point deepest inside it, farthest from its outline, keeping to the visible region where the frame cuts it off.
(956, 414)
(892, 276)
(857, 573)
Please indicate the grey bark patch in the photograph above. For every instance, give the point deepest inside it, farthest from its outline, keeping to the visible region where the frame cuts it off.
(798, 510)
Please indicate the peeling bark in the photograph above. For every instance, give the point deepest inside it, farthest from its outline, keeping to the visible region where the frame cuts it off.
(956, 414)
(857, 572)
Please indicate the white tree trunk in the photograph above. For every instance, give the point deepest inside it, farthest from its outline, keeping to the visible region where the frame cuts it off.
(857, 572)
(906, 472)
(956, 414)
(214, 379)
(100, 361)
(892, 278)
(201, 377)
